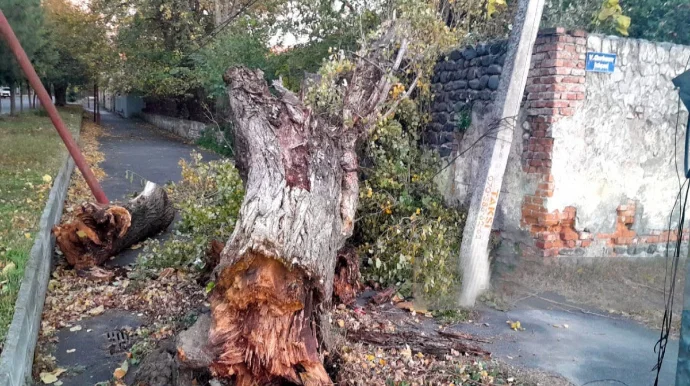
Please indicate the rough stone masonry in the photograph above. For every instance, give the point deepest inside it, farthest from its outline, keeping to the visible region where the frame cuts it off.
(592, 171)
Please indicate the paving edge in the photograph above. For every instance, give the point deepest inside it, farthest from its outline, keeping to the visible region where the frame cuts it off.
(17, 355)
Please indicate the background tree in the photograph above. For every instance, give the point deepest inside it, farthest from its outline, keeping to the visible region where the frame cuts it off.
(26, 19)
(81, 47)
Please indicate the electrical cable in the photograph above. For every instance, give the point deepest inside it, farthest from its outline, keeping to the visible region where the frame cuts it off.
(666, 325)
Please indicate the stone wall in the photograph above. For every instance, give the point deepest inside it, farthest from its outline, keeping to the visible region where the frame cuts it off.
(592, 170)
(462, 79)
(187, 129)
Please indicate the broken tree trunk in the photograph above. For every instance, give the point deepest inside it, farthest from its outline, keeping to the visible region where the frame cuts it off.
(276, 272)
(102, 231)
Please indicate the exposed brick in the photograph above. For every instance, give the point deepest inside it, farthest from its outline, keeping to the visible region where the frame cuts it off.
(571, 79)
(555, 104)
(623, 240)
(584, 235)
(567, 111)
(579, 33)
(568, 234)
(585, 243)
(553, 252)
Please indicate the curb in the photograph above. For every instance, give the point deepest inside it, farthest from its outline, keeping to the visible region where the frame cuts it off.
(18, 353)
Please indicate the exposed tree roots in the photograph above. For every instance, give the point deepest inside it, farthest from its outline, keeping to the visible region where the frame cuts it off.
(102, 231)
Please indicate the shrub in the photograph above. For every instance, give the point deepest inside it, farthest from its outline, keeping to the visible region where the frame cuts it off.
(405, 233)
(208, 199)
(217, 139)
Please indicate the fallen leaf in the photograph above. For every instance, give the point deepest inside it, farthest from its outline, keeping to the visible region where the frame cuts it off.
(58, 383)
(81, 234)
(47, 178)
(136, 246)
(8, 268)
(48, 378)
(341, 323)
(515, 325)
(121, 371)
(75, 328)
(27, 235)
(71, 350)
(51, 377)
(52, 284)
(405, 306)
(96, 311)
(565, 326)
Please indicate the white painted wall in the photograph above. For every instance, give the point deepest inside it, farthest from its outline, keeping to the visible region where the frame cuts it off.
(619, 145)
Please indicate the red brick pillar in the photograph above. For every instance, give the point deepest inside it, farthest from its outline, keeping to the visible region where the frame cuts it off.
(555, 88)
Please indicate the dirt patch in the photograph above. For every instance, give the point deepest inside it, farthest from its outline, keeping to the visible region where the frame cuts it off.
(632, 288)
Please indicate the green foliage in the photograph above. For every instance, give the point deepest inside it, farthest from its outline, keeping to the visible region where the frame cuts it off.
(655, 20)
(405, 232)
(26, 19)
(210, 140)
(659, 20)
(230, 49)
(464, 119)
(478, 20)
(208, 199)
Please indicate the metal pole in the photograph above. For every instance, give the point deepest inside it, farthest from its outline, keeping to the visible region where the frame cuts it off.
(475, 238)
(25, 64)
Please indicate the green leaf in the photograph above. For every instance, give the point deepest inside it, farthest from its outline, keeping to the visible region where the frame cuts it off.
(210, 286)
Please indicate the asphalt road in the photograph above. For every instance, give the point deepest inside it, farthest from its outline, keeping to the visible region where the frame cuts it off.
(5, 104)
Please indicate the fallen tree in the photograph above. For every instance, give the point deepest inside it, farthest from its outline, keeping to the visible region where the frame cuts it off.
(99, 232)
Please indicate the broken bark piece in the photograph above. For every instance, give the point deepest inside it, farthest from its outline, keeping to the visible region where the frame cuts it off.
(346, 283)
(101, 231)
(428, 344)
(191, 345)
(383, 296)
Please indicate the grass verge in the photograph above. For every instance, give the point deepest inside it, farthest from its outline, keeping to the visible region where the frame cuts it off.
(31, 154)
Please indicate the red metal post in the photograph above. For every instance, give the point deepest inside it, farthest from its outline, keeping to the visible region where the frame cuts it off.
(25, 64)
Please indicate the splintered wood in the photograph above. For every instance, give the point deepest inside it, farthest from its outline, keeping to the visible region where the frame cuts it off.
(263, 325)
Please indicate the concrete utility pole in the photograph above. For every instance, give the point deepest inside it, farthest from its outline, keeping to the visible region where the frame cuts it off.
(475, 239)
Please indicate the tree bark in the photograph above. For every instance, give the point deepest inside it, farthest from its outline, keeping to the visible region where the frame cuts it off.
(102, 231)
(60, 94)
(13, 103)
(28, 95)
(276, 272)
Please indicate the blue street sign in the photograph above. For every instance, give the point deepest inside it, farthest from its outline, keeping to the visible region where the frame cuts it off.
(600, 62)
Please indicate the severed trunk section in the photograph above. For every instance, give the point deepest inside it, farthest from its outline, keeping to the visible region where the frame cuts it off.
(102, 231)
